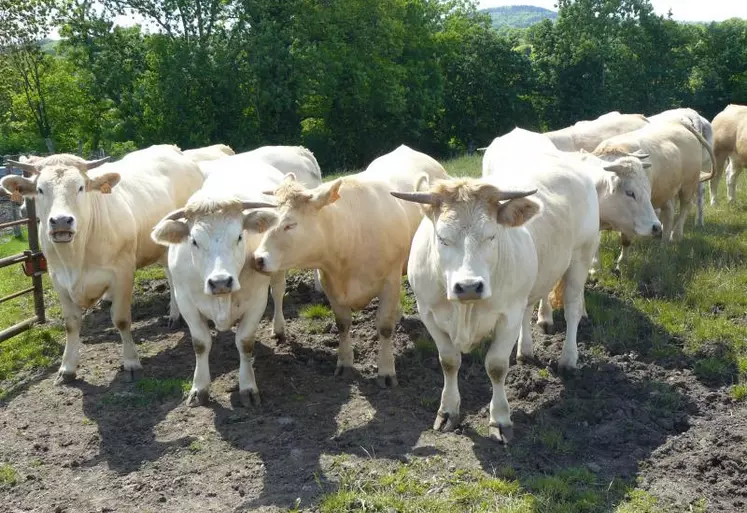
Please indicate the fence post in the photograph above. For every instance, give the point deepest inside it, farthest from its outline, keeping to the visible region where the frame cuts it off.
(15, 216)
(36, 279)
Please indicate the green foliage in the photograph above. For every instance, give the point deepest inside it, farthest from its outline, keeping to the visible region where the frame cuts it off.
(518, 16)
(315, 312)
(8, 475)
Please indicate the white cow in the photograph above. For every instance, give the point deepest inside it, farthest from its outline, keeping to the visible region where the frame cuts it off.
(96, 231)
(287, 159)
(208, 153)
(586, 135)
(478, 267)
(704, 127)
(730, 143)
(357, 235)
(209, 258)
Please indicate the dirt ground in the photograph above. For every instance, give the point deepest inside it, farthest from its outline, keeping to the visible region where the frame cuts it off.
(102, 444)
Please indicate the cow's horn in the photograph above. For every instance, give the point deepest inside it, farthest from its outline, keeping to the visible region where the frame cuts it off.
(175, 215)
(93, 164)
(509, 195)
(639, 154)
(25, 166)
(256, 204)
(425, 198)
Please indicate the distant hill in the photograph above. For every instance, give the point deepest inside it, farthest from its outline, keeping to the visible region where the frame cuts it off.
(518, 16)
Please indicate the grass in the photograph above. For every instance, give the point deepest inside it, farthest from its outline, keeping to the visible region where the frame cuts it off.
(149, 391)
(317, 312)
(8, 475)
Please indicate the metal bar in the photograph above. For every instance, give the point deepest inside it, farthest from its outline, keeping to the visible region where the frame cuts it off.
(15, 259)
(36, 279)
(17, 222)
(17, 328)
(16, 294)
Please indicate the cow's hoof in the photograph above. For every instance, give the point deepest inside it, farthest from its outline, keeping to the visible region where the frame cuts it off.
(567, 370)
(501, 434)
(175, 323)
(249, 398)
(64, 378)
(279, 335)
(527, 360)
(198, 397)
(132, 375)
(344, 372)
(546, 327)
(387, 381)
(446, 421)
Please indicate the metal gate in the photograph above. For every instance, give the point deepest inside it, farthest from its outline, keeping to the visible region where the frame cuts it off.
(34, 265)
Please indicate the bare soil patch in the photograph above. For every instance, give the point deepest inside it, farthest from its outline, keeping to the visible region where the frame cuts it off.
(102, 444)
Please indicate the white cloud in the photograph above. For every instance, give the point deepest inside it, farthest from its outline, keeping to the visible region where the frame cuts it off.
(682, 10)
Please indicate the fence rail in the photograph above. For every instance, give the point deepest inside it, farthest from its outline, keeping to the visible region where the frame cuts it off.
(34, 266)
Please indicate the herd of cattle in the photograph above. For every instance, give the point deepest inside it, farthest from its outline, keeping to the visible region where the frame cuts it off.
(479, 253)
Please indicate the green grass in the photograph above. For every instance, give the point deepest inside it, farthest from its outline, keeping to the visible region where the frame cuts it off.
(8, 475)
(149, 391)
(316, 312)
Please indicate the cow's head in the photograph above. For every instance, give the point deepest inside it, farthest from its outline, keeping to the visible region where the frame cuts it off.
(293, 233)
(625, 198)
(214, 231)
(471, 220)
(61, 187)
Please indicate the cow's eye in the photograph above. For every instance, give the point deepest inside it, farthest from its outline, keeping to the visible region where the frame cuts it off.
(80, 189)
(442, 241)
(194, 243)
(241, 237)
(40, 191)
(490, 239)
(630, 194)
(289, 226)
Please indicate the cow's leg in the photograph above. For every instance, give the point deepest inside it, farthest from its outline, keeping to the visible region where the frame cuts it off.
(386, 320)
(595, 264)
(686, 204)
(175, 318)
(121, 313)
(718, 170)
(317, 281)
(525, 352)
(277, 285)
(573, 304)
(447, 418)
(497, 364)
(343, 319)
(625, 243)
(73, 316)
(732, 174)
(667, 221)
(699, 204)
(544, 315)
(248, 391)
(202, 341)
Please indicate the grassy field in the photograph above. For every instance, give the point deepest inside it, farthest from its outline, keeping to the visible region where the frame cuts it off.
(683, 302)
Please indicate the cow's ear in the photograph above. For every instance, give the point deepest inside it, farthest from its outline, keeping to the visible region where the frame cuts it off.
(326, 194)
(18, 186)
(170, 232)
(104, 183)
(516, 212)
(259, 221)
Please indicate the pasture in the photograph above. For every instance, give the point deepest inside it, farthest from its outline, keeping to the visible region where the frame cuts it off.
(654, 420)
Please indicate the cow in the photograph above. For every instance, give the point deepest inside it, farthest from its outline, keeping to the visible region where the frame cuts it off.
(729, 142)
(95, 232)
(286, 159)
(357, 235)
(485, 253)
(208, 257)
(674, 149)
(209, 153)
(586, 135)
(704, 127)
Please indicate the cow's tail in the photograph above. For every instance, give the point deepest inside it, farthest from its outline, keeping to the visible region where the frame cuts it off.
(557, 294)
(704, 177)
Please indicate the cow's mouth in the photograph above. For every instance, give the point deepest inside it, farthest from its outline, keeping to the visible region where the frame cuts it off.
(62, 236)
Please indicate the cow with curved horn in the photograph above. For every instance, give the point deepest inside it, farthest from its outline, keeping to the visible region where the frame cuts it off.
(675, 149)
(95, 222)
(209, 258)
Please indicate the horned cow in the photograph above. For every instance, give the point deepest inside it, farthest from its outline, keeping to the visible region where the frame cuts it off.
(587, 134)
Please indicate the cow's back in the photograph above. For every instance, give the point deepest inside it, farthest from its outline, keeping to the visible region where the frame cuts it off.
(730, 126)
(291, 159)
(589, 134)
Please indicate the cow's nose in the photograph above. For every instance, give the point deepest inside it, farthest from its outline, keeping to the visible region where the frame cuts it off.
(220, 284)
(656, 230)
(259, 263)
(469, 289)
(61, 221)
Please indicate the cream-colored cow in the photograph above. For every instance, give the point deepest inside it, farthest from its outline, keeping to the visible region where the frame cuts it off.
(95, 231)
(729, 142)
(357, 235)
(586, 135)
(208, 153)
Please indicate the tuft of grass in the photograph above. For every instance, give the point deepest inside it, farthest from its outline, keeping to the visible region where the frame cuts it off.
(148, 391)
(407, 303)
(195, 446)
(739, 392)
(316, 312)
(544, 373)
(8, 475)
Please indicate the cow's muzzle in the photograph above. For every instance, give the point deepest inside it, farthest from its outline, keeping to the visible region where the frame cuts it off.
(219, 284)
(656, 230)
(62, 229)
(472, 289)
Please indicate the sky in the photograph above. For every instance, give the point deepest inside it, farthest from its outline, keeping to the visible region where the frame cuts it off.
(682, 10)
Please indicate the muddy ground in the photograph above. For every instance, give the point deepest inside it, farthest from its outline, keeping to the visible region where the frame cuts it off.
(102, 444)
